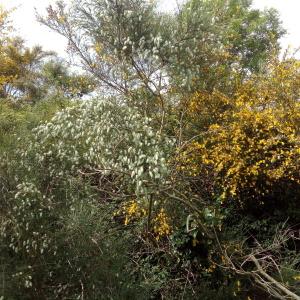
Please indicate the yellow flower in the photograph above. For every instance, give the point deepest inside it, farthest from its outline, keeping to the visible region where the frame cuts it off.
(161, 225)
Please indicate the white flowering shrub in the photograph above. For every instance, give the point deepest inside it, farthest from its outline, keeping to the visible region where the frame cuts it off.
(31, 205)
(25, 231)
(54, 243)
(103, 136)
(53, 227)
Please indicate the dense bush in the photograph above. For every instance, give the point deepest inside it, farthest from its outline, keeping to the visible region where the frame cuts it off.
(55, 217)
(252, 142)
(179, 181)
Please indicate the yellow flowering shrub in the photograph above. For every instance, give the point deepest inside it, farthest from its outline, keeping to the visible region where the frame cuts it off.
(189, 160)
(162, 225)
(131, 211)
(210, 106)
(254, 152)
(253, 141)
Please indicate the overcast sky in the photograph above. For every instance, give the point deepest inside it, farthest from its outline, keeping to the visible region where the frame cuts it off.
(34, 33)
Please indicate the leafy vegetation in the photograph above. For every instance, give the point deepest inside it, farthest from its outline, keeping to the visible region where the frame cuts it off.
(167, 168)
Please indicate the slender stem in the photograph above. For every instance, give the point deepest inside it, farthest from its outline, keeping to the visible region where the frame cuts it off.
(149, 213)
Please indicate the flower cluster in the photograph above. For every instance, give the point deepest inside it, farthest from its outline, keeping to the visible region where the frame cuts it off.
(132, 210)
(162, 225)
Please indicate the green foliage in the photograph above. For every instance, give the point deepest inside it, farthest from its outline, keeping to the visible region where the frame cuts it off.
(27, 74)
(20, 66)
(58, 81)
(18, 118)
(130, 45)
(44, 237)
(221, 42)
(179, 182)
